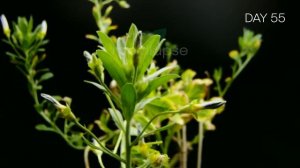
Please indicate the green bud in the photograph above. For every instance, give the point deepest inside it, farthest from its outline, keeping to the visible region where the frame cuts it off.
(234, 54)
(124, 4)
(108, 10)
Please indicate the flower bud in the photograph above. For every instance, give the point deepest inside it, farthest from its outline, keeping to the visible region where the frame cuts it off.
(64, 111)
(214, 104)
(43, 31)
(88, 56)
(234, 54)
(257, 44)
(5, 26)
(124, 4)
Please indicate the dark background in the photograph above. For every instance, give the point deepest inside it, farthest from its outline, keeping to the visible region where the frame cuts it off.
(260, 126)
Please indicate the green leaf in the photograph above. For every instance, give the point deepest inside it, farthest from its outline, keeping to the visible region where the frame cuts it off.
(103, 122)
(159, 72)
(108, 45)
(142, 119)
(147, 53)
(187, 76)
(121, 44)
(97, 85)
(128, 98)
(46, 76)
(218, 74)
(205, 115)
(143, 103)
(156, 106)
(113, 66)
(117, 117)
(132, 34)
(154, 84)
(124, 4)
(43, 127)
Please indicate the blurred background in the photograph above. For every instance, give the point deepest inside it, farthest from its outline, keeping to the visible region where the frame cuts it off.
(260, 126)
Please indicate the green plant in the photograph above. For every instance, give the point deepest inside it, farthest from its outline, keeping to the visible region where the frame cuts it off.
(149, 106)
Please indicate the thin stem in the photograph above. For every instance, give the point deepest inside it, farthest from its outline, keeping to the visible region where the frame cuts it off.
(102, 147)
(86, 157)
(219, 87)
(128, 145)
(158, 130)
(200, 144)
(236, 74)
(180, 111)
(118, 142)
(168, 140)
(53, 125)
(100, 161)
(159, 138)
(184, 147)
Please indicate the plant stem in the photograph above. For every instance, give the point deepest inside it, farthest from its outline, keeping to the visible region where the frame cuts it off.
(184, 147)
(128, 145)
(180, 111)
(34, 94)
(118, 143)
(102, 147)
(236, 74)
(168, 140)
(86, 157)
(200, 144)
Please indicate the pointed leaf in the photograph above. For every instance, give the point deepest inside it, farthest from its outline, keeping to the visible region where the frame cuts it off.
(117, 117)
(113, 66)
(97, 85)
(46, 76)
(108, 45)
(144, 102)
(132, 34)
(154, 84)
(159, 72)
(147, 53)
(43, 127)
(121, 48)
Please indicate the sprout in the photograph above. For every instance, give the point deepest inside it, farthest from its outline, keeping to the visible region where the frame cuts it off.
(5, 26)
